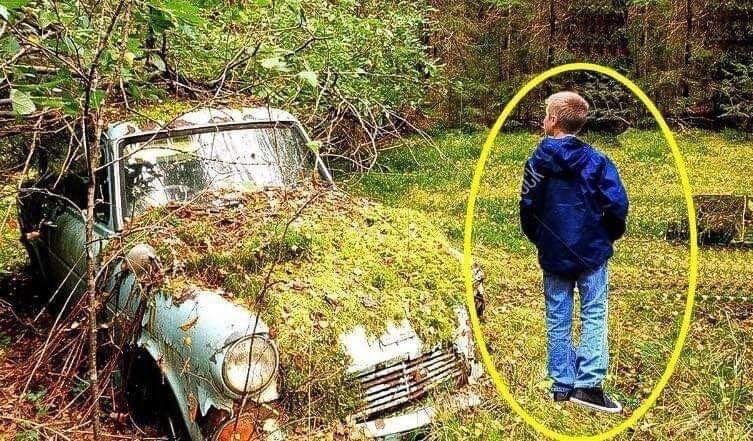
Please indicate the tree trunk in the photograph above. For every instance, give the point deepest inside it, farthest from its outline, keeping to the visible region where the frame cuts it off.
(508, 45)
(688, 46)
(550, 44)
(92, 160)
(643, 69)
(552, 35)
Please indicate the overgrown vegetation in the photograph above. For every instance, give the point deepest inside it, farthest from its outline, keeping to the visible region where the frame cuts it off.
(711, 394)
(340, 263)
(357, 72)
(360, 73)
(10, 251)
(354, 71)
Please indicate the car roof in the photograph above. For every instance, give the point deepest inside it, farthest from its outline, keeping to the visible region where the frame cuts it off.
(202, 117)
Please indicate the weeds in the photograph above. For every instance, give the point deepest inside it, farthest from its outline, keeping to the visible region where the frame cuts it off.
(5, 341)
(27, 435)
(37, 400)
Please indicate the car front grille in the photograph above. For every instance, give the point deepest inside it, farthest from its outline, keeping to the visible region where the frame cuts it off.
(393, 386)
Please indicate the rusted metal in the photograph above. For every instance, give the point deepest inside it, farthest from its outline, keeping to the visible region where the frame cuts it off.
(721, 220)
(392, 386)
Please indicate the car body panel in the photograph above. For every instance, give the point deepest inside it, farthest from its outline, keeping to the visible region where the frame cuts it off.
(186, 337)
(723, 220)
(403, 424)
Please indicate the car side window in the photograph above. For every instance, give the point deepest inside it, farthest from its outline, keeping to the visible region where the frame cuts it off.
(74, 187)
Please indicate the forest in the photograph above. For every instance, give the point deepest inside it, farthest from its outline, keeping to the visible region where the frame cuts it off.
(395, 98)
(363, 72)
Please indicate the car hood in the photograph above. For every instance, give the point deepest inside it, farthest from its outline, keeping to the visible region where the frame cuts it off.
(342, 283)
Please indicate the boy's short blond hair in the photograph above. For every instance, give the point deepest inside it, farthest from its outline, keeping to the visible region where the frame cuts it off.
(570, 109)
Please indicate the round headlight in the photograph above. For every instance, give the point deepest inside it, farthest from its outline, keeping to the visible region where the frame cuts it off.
(250, 363)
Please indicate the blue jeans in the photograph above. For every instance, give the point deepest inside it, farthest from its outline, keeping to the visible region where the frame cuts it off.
(586, 365)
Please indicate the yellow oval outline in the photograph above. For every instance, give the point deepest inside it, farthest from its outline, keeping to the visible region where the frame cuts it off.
(499, 383)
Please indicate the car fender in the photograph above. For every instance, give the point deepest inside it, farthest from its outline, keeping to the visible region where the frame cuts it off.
(187, 337)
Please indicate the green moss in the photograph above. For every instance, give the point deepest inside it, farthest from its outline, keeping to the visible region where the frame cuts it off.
(164, 111)
(341, 264)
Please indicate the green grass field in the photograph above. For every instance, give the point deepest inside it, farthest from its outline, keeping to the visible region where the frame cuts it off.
(710, 396)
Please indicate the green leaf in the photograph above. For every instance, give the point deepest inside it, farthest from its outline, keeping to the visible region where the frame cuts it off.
(21, 102)
(9, 46)
(274, 63)
(159, 20)
(97, 98)
(310, 77)
(129, 57)
(182, 11)
(14, 4)
(45, 18)
(314, 146)
(166, 14)
(158, 63)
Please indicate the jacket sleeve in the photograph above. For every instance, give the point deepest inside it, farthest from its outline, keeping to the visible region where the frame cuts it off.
(614, 201)
(530, 200)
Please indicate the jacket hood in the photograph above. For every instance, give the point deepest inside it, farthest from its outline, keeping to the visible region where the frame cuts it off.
(560, 156)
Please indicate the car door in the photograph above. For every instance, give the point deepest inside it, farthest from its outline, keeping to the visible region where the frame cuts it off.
(66, 234)
(63, 234)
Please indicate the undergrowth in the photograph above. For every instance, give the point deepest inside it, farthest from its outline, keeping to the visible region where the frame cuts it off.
(11, 253)
(710, 396)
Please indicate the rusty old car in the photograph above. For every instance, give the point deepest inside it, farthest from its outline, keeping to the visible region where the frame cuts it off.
(209, 379)
(723, 220)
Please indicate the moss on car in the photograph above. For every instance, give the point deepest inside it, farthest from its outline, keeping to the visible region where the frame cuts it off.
(316, 264)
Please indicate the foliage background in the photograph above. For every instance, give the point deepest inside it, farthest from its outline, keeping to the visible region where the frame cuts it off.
(692, 57)
(357, 72)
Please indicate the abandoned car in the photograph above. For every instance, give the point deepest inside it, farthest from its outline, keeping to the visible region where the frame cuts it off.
(221, 359)
(723, 220)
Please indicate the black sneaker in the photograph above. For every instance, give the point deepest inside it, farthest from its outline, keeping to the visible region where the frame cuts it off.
(561, 396)
(595, 398)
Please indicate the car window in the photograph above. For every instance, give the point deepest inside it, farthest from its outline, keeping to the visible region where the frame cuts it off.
(73, 187)
(180, 167)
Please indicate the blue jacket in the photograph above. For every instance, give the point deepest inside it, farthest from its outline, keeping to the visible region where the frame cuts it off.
(573, 205)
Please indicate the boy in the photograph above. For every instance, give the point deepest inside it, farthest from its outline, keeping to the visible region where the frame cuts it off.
(573, 207)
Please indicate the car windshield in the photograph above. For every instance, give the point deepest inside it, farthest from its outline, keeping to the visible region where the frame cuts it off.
(177, 168)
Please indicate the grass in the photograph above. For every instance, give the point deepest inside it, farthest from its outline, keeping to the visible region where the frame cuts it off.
(710, 396)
